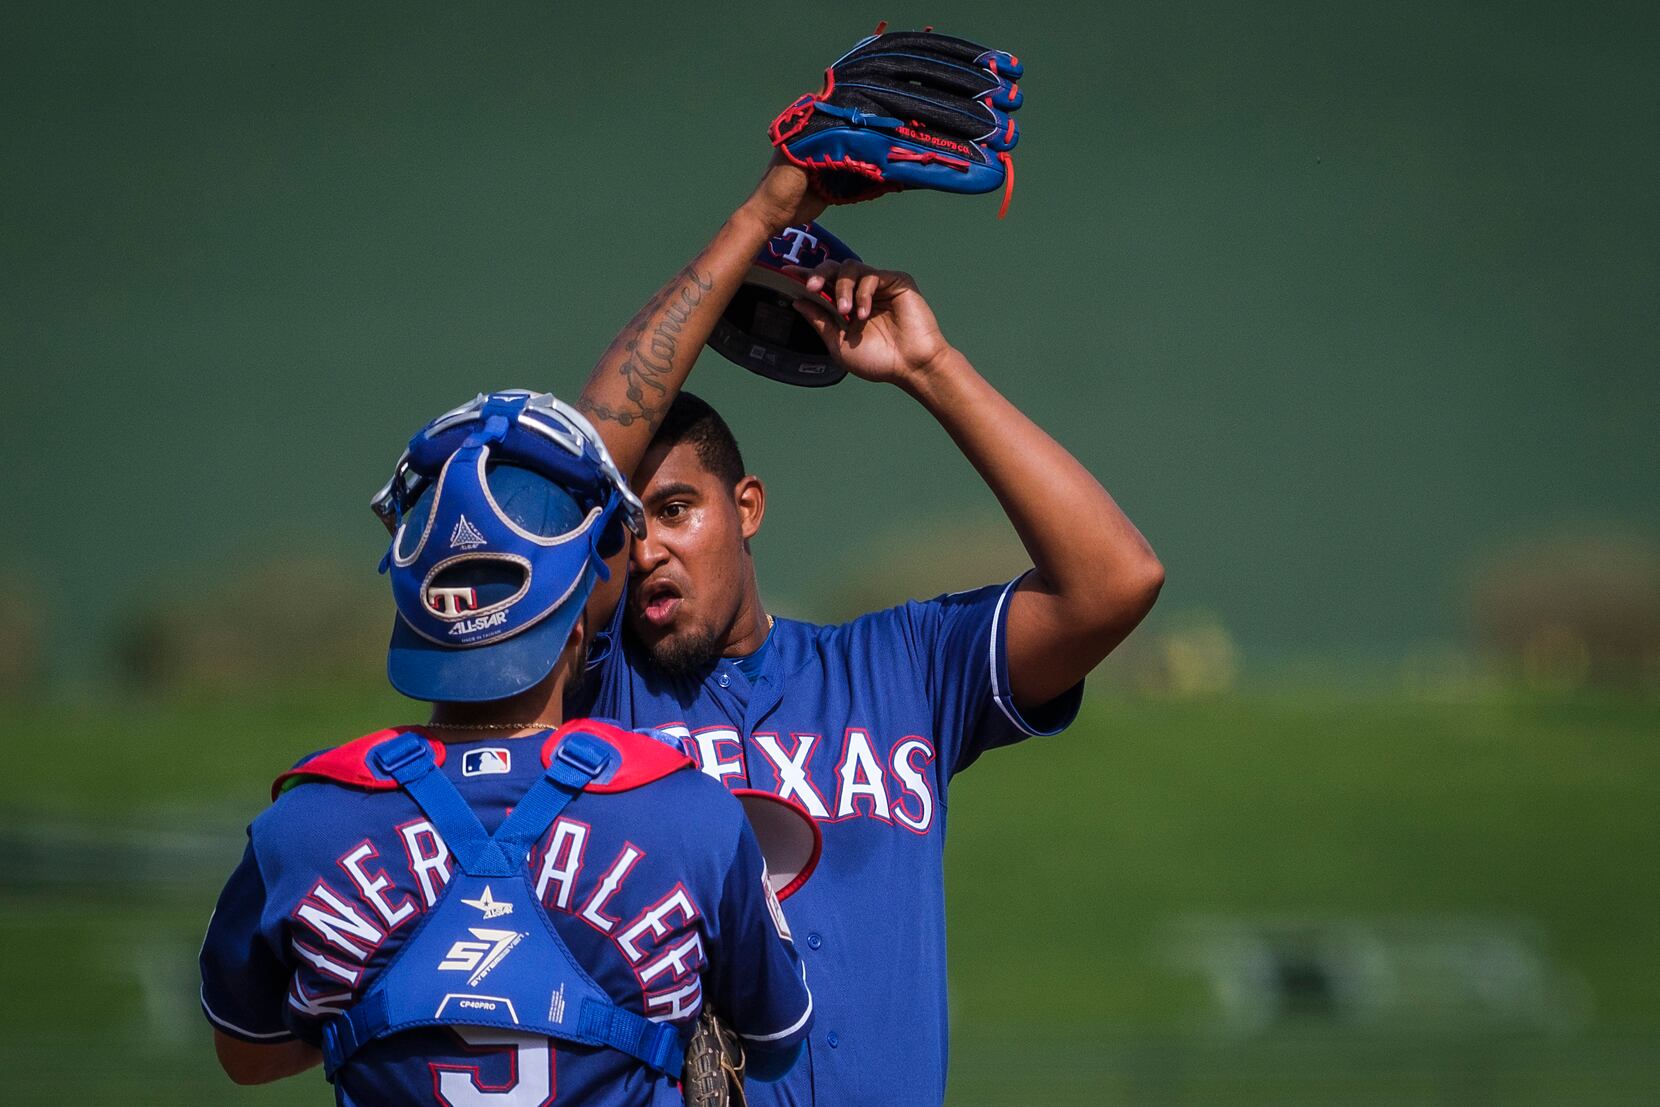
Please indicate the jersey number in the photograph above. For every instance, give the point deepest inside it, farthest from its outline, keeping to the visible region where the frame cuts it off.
(529, 1083)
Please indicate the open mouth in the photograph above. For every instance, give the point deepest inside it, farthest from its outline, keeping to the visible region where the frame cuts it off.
(659, 602)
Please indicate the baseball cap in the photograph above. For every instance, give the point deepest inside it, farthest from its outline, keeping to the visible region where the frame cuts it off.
(761, 331)
(486, 614)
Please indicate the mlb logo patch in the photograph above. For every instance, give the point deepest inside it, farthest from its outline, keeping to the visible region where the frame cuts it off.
(489, 761)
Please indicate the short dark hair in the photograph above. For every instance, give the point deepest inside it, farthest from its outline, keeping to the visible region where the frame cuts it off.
(692, 420)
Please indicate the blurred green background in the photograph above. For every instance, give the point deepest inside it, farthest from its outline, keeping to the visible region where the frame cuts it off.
(1351, 306)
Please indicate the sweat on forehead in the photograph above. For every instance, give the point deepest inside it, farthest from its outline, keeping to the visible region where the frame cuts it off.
(693, 421)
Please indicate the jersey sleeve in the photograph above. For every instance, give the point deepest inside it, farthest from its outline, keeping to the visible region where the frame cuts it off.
(963, 639)
(759, 984)
(244, 983)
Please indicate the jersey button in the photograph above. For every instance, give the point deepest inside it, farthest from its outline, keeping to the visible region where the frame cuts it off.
(723, 680)
(814, 941)
(833, 1038)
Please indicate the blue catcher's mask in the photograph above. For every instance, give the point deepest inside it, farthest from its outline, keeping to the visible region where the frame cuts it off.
(502, 514)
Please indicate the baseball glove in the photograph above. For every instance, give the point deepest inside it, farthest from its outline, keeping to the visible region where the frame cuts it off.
(907, 109)
(714, 1074)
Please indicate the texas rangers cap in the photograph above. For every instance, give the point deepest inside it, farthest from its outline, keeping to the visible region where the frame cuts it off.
(502, 514)
(456, 638)
(761, 331)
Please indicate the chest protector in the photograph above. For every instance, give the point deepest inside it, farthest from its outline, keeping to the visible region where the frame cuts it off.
(486, 953)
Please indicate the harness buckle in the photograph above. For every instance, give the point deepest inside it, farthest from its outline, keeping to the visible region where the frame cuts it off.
(398, 753)
(584, 753)
(339, 1043)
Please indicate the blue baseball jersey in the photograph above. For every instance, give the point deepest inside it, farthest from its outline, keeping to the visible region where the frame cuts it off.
(658, 892)
(864, 725)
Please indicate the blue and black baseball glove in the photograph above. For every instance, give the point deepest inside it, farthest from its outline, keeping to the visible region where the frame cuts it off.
(907, 109)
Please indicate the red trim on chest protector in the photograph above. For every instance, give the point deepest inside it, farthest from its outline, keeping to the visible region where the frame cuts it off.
(644, 759)
(349, 764)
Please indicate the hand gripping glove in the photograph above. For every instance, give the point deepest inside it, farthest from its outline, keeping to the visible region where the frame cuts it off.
(907, 109)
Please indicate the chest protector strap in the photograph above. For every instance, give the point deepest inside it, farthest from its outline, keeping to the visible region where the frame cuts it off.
(445, 973)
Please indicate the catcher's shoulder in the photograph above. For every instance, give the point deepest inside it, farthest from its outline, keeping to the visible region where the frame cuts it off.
(695, 790)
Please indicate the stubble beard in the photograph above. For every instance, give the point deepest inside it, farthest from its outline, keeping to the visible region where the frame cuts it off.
(691, 653)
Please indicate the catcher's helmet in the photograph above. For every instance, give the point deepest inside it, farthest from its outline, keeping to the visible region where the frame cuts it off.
(502, 514)
(761, 331)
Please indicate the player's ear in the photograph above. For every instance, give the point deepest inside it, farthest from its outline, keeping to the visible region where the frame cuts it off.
(751, 497)
(575, 654)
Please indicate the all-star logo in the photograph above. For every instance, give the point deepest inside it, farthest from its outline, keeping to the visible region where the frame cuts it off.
(489, 905)
(482, 622)
(465, 536)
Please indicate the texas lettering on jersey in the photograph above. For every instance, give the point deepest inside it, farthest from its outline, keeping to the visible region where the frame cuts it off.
(340, 924)
(864, 725)
(891, 785)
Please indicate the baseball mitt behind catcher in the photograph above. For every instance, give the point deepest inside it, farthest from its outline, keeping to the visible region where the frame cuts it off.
(714, 1073)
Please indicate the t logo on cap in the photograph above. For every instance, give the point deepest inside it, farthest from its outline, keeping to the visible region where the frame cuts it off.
(451, 602)
(799, 237)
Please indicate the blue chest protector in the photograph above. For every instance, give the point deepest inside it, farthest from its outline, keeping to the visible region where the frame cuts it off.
(486, 954)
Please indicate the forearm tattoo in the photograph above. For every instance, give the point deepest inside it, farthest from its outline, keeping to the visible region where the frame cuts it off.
(643, 354)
